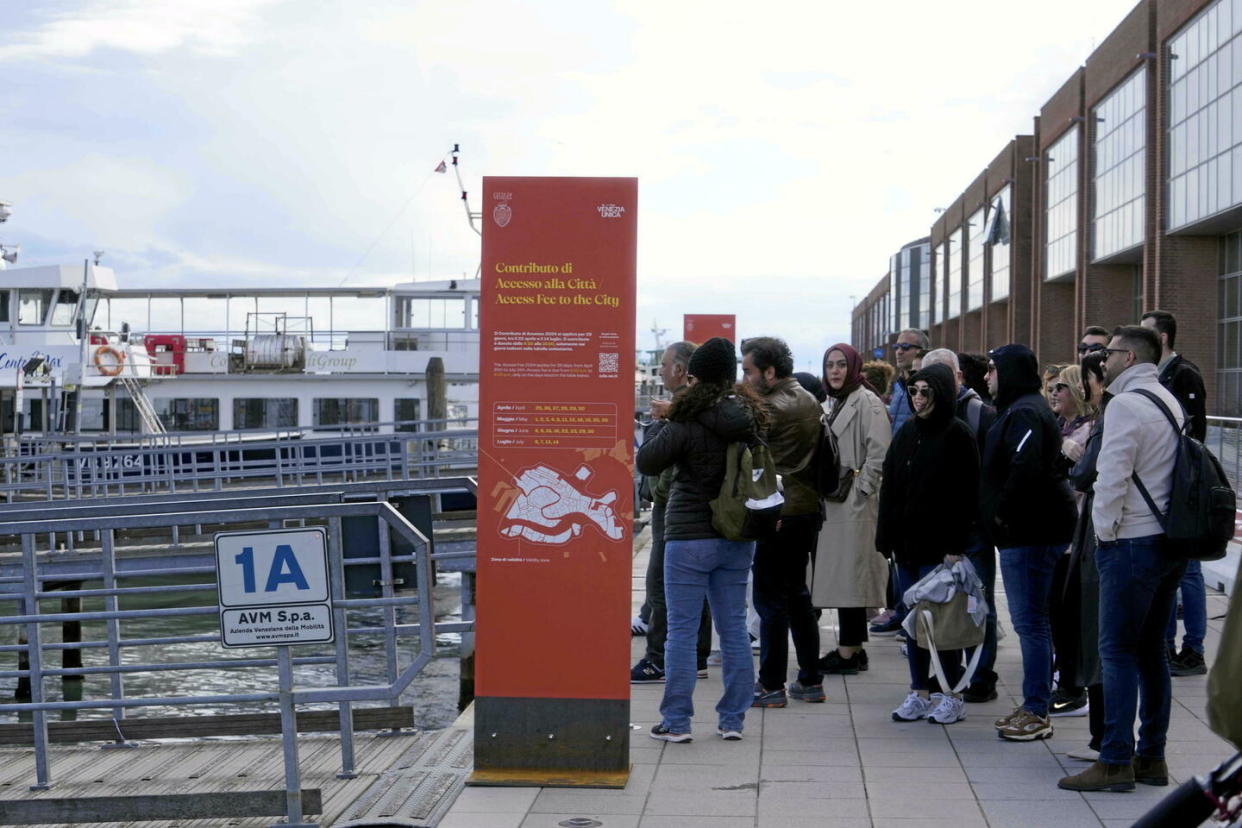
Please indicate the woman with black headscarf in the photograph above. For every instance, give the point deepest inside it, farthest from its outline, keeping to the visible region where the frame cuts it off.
(931, 472)
(846, 573)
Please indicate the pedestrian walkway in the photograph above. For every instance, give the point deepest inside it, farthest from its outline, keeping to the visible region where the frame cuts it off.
(846, 763)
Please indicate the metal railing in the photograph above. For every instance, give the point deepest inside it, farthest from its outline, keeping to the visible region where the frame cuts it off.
(82, 468)
(122, 572)
(1224, 438)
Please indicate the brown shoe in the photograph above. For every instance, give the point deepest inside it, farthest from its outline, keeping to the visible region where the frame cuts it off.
(1100, 777)
(1004, 720)
(1150, 771)
(1025, 726)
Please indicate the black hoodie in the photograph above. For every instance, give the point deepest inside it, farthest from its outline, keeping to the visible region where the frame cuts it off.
(697, 448)
(1024, 499)
(931, 480)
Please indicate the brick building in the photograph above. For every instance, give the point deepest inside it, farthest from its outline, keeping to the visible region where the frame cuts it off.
(1126, 196)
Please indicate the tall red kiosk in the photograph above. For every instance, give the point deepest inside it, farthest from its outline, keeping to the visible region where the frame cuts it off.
(555, 529)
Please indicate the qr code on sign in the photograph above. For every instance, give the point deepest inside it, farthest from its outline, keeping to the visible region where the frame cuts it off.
(608, 363)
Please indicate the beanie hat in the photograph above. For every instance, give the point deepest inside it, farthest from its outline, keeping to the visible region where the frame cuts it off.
(714, 361)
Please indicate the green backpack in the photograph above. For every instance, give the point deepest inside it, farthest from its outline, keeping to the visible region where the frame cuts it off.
(1224, 706)
(749, 504)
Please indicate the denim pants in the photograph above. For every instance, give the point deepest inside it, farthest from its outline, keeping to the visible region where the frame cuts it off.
(1027, 574)
(715, 568)
(1194, 610)
(920, 659)
(784, 602)
(1138, 580)
(657, 623)
(982, 556)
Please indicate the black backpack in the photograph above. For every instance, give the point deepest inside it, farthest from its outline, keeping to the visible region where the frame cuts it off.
(1202, 505)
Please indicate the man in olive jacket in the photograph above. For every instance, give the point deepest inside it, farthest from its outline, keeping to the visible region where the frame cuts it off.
(780, 591)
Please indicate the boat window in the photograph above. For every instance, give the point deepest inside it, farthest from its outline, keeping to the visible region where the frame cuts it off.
(405, 414)
(189, 413)
(418, 312)
(256, 412)
(65, 307)
(32, 306)
(332, 412)
(4, 306)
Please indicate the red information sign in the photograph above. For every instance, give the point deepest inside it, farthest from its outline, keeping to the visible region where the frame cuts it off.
(700, 327)
(556, 396)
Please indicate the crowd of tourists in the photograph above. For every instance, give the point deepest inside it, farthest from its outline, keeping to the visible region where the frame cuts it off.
(951, 462)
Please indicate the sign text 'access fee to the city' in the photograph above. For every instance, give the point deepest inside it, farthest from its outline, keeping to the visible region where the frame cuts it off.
(273, 588)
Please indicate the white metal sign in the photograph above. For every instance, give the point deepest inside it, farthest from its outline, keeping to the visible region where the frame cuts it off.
(273, 587)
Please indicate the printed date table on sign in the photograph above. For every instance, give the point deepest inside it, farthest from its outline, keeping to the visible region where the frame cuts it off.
(274, 587)
(554, 425)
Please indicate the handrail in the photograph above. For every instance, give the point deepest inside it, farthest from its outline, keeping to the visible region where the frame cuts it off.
(111, 531)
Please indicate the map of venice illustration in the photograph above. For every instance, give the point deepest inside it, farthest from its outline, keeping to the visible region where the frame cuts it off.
(548, 508)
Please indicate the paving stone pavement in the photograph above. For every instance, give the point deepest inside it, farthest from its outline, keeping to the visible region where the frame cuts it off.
(846, 763)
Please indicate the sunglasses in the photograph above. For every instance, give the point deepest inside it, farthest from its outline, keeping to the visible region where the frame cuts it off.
(904, 346)
(919, 391)
(1118, 350)
(1060, 386)
(1090, 349)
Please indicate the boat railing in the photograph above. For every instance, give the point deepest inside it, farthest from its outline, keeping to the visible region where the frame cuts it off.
(115, 594)
(77, 469)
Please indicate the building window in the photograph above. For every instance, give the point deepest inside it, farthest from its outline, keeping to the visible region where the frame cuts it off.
(998, 239)
(920, 265)
(1229, 332)
(974, 267)
(1120, 194)
(938, 280)
(189, 414)
(261, 412)
(405, 413)
(1061, 165)
(1205, 115)
(953, 253)
(32, 306)
(335, 412)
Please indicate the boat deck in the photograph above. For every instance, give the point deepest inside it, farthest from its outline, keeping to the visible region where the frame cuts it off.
(846, 763)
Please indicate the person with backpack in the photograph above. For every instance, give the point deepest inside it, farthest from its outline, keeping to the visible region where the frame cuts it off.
(781, 556)
(930, 468)
(695, 437)
(1138, 574)
(846, 571)
(1183, 379)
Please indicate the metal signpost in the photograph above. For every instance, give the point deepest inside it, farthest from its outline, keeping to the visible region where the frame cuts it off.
(274, 589)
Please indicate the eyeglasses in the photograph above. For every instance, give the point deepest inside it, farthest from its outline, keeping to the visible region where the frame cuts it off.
(1084, 348)
(904, 346)
(921, 391)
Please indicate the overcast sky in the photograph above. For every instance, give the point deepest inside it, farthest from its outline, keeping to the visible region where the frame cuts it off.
(783, 151)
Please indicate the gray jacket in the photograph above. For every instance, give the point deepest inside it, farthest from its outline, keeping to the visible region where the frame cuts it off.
(1137, 439)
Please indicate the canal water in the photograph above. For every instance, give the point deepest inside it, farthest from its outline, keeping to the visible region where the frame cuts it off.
(433, 693)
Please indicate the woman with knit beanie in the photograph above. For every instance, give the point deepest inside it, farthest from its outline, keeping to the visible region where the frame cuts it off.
(703, 420)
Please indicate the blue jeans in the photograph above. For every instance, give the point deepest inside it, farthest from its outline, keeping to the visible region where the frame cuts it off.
(715, 568)
(1027, 574)
(982, 556)
(1138, 580)
(920, 659)
(1194, 610)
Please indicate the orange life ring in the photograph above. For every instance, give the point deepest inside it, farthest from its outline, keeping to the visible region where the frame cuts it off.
(112, 368)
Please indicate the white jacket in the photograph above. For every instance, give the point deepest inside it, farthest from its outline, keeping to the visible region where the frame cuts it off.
(1137, 438)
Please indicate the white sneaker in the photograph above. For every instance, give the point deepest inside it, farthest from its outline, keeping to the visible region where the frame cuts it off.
(1084, 755)
(714, 659)
(915, 707)
(948, 709)
(729, 735)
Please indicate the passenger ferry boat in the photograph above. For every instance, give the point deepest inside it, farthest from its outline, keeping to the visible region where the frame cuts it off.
(222, 359)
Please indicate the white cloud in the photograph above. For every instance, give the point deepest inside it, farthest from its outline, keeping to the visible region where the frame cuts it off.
(145, 27)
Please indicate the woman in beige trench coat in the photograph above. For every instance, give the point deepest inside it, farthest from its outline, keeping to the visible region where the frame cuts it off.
(846, 572)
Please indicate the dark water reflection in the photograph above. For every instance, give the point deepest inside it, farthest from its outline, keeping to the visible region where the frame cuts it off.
(433, 693)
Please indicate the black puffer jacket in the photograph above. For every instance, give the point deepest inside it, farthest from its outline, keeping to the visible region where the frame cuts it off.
(697, 447)
(931, 472)
(1024, 497)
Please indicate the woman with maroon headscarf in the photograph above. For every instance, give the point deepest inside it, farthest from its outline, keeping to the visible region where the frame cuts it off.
(846, 572)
